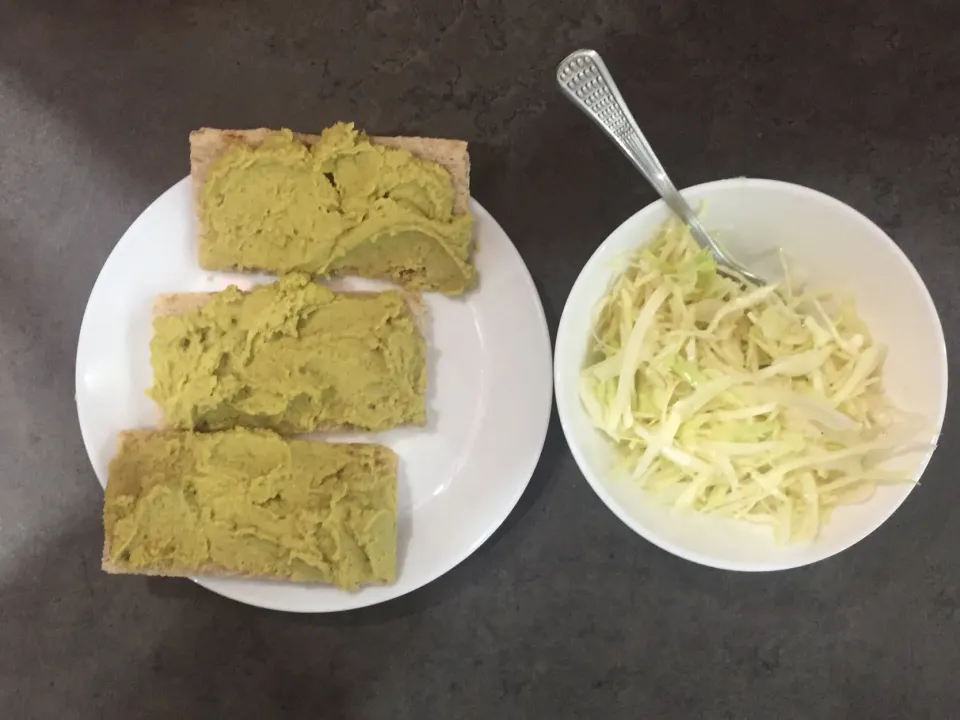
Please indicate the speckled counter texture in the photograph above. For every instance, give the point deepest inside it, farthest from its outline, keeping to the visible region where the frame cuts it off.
(565, 613)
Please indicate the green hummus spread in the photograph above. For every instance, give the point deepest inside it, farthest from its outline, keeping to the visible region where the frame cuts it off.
(341, 206)
(291, 356)
(250, 502)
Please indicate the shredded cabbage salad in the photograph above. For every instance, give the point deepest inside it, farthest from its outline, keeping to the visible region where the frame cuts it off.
(759, 403)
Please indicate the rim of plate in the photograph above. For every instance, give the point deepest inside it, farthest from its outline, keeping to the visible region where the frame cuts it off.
(563, 330)
(236, 593)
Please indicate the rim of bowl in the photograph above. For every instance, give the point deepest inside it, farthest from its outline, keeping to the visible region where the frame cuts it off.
(563, 330)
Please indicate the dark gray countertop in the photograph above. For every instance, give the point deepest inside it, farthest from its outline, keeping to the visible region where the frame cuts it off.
(565, 613)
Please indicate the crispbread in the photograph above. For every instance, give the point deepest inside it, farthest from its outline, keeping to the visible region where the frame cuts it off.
(315, 250)
(128, 438)
(206, 144)
(180, 303)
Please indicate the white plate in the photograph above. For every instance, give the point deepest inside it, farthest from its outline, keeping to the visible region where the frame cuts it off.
(489, 396)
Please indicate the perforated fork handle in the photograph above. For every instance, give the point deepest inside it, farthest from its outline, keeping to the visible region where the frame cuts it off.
(585, 80)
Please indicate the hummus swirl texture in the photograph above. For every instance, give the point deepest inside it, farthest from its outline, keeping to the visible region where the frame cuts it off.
(292, 356)
(249, 502)
(341, 206)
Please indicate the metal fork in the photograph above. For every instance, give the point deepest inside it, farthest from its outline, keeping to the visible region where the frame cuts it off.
(584, 79)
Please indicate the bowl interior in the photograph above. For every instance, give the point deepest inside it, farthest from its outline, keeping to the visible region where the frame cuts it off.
(829, 246)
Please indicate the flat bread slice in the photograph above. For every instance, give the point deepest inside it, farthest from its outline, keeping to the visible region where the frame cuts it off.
(206, 145)
(251, 504)
(291, 356)
(406, 234)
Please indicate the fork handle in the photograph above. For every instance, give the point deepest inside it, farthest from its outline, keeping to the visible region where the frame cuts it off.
(584, 78)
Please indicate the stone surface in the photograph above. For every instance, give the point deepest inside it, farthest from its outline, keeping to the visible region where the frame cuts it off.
(565, 613)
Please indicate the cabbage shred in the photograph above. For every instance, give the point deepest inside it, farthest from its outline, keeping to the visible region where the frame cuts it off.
(763, 404)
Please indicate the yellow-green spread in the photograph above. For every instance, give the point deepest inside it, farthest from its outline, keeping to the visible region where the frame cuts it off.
(291, 356)
(341, 206)
(250, 502)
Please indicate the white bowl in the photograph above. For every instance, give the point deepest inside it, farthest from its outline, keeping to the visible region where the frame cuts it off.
(829, 246)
